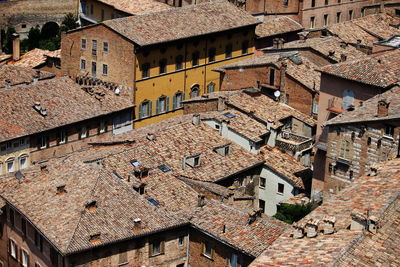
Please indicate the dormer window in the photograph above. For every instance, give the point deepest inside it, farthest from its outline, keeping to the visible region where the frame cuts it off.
(223, 150)
(61, 189)
(91, 205)
(193, 161)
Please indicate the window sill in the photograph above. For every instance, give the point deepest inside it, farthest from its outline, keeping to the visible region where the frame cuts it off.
(281, 194)
(155, 255)
(124, 263)
(261, 187)
(389, 137)
(207, 256)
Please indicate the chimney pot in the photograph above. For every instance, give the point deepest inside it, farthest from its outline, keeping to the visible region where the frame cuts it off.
(16, 47)
(311, 228)
(297, 231)
(383, 108)
(201, 200)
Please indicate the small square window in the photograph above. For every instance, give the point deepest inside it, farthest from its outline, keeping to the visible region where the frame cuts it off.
(262, 182)
(102, 127)
(156, 247)
(83, 64)
(145, 70)
(207, 250)
(105, 69)
(83, 44)
(83, 133)
(23, 26)
(281, 188)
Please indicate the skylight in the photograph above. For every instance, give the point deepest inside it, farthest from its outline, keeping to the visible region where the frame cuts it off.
(229, 115)
(164, 168)
(135, 163)
(153, 201)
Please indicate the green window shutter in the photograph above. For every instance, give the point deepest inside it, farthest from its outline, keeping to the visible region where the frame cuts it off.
(167, 103)
(158, 106)
(183, 96)
(174, 102)
(140, 111)
(150, 108)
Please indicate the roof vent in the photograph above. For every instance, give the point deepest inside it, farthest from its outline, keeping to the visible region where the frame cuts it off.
(8, 84)
(297, 231)
(61, 189)
(331, 53)
(201, 200)
(117, 91)
(95, 238)
(91, 205)
(19, 176)
(150, 137)
(40, 109)
(343, 57)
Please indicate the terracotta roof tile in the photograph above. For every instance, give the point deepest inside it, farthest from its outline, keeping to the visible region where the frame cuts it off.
(137, 7)
(19, 75)
(33, 58)
(186, 22)
(276, 26)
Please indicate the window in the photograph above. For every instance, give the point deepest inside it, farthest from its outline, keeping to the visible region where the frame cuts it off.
(235, 260)
(145, 109)
(23, 226)
(339, 1)
(338, 15)
(210, 87)
(262, 182)
(102, 127)
(261, 205)
(145, 70)
(211, 54)
(195, 59)
(102, 14)
(122, 257)
(162, 105)
(389, 130)
(312, 3)
(193, 161)
(94, 48)
(245, 47)
(207, 250)
(105, 69)
(228, 51)
(38, 241)
(23, 26)
(91, 9)
(13, 249)
(348, 99)
(11, 217)
(351, 174)
(10, 165)
(344, 149)
(105, 47)
(194, 92)
(24, 258)
(62, 137)
(326, 2)
(351, 14)
(156, 247)
(23, 161)
(369, 141)
(83, 44)
(181, 240)
(83, 64)
(163, 66)
(84, 132)
(315, 109)
(285, 2)
(223, 150)
(271, 76)
(312, 22)
(177, 100)
(179, 62)
(281, 188)
(326, 20)
(94, 68)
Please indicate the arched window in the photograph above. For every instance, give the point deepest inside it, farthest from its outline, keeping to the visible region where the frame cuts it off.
(194, 92)
(210, 87)
(23, 161)
(177, 100)
(10, 166)
(348, 99)
(145, 109)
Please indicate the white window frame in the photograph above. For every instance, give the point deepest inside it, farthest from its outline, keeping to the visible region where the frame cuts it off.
(83, 44)
(12, 161)
(24, 156)
(63, 137)
(42, 142)
(24, 258)
(13, 249)
(83, 132)
(105, 67)
(102, 127)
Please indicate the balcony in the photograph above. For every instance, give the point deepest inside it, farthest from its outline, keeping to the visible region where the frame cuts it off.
(292, 142)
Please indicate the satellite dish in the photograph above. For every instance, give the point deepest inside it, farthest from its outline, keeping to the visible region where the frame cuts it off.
(277, 93)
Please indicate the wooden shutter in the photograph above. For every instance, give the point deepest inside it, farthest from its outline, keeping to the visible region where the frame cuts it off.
(157, 106)
(150, 108)
(140, 111)
(174, 102)
(167, 103)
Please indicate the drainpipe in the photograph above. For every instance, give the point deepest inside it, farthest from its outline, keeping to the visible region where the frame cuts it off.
(282, 98)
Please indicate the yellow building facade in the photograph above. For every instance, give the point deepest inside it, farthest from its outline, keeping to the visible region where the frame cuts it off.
(162, 73)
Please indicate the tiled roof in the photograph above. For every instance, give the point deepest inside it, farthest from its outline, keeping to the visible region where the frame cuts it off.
(276, 26)
(284, 164)
(17, 75)
(33, 58)
(368, 110)
(241, 123)
(185, 22)
(5, 57)
(137, 7)
(304, 72)
(266, 109)
(326, 46)
(65, 101)
(376, 195)
(368, 29)
(231, 225)
(381, 70)
(64, 219)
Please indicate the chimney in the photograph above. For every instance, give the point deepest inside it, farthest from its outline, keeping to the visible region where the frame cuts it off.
(343, 57)
(358, 45)
(8, 84)
(329, 224)
(297, 231)
(196, 119)
(282, 89)
(364, 221)
(137, 222)
(331, 53)
(16, 47)
(221, 103)
(311, 228)
(61, 189)
(150, 137)
(201, 200)
(383, 108)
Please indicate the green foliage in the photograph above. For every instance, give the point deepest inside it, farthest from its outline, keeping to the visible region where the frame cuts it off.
(34, 37)
(69, 23)
(292, 213)
(8, 40)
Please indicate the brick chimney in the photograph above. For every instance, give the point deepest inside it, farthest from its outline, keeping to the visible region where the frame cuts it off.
(16, 47)
(329, 224)
(383, 108)
(297, 231)
(343, 57)
(311, 228)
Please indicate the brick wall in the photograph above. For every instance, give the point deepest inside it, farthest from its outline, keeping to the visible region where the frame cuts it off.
(235, 79)
(300, 97)
(201, 106)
